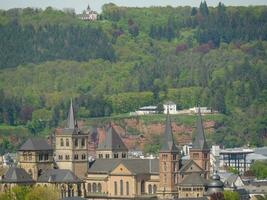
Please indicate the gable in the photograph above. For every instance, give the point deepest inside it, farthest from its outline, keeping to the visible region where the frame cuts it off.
(121, 170)
(190, 167)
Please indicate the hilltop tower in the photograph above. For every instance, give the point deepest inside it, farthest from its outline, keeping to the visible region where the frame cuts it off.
(200, 153)
(71, 147)
(169, 164)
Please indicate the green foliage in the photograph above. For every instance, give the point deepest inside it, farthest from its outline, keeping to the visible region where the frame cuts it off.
(136, 57)
(42, 193)
(229, 195)
(259, 168)
(232, 170)
(154, 146)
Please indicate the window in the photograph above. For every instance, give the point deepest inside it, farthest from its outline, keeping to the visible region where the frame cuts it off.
(100, 155)
(123, 155)
(83, 156)
(89, 187)
(154, 189)
(99, 187)
(115, 188)
(107, 155)
(67, 142)
(121, 187)
(174, 156)
(76, 142)
(83, 142)
(46, 156)
(76, 157)
(67, 157)
(165, 166)
(94, 187)
(41, 157)
(149, 189)
(127, 188)
(60, 157)
(25, 156)
(61, 142)
(116, 155)
(30, 156)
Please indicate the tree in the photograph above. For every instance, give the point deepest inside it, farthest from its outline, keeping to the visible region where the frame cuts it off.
(259, 168)
(229, 195)
(42, 193)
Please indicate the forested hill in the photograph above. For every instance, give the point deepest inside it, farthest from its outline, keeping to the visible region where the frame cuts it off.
(133, 57)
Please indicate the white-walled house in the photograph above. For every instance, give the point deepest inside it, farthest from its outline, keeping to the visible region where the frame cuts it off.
(169, 105)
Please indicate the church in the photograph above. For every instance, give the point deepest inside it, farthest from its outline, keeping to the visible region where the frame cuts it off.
(63, 163)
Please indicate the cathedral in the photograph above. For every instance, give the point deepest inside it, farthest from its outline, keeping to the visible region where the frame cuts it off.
(63, 163)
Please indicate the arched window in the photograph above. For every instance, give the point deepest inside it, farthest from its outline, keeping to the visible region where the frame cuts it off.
(99, 187)
(115, 188)
(67, 142)
(76, 142)
(89, 187)
(154, 189)
(40, 171)
(61, 142)
(121, 187)
(83, 156)
(142, 187)
(149, 189)
(83, 142)
(94, 187)
(127, 188)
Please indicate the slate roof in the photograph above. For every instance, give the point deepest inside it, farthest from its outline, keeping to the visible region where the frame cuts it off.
(112, 141)
(71, 120)
(200, 140)
(194, 179)
(187, 164)
(35, 144)
(58, 176)
(17, 175)
(168, 142)
(136, 166)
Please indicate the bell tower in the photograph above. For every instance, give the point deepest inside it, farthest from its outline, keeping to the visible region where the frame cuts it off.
(200, 153)
(71, 147)
(169, 164)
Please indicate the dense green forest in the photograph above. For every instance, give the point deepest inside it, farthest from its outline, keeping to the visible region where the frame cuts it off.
(132, 57)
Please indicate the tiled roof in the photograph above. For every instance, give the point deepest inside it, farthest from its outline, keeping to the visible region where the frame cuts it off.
(59, 176)
(17, 175)
(36, 144)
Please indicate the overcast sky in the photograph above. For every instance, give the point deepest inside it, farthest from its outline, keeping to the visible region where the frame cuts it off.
(80, 5)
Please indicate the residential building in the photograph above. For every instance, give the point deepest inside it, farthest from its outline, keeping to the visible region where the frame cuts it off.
(88, 15)
(170, 107)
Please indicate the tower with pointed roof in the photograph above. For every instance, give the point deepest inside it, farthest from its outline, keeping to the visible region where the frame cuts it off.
(169, 164)
(112, 146)
(200, 152)
(71, 147)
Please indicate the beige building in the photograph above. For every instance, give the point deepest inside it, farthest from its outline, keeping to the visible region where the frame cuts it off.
(71, 147)
(35, 157)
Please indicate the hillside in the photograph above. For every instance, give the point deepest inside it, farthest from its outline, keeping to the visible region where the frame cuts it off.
(133, 57)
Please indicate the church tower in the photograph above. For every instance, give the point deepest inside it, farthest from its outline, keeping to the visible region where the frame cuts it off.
(169, 164)
(200, 153)
(71, 147)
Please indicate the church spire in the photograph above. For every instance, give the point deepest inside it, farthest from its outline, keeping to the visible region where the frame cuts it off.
(71, 120)
(200, 140)
(168, 142)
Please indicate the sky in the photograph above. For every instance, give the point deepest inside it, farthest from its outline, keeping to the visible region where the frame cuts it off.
(80, 5)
